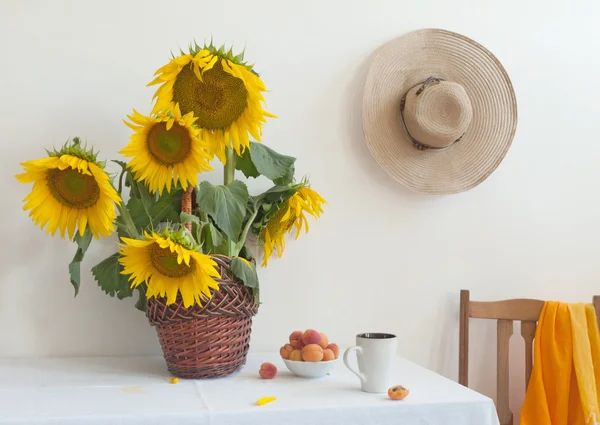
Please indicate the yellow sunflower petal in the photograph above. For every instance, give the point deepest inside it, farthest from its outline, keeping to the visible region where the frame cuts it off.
(288, 215)
(265, 400)
(210, 64)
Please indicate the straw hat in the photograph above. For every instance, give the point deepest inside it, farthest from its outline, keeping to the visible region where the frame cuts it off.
(439, 111)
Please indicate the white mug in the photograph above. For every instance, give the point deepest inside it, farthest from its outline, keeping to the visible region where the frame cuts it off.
(376, 353)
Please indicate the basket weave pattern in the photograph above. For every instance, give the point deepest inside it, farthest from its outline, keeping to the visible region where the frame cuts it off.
(208, 341)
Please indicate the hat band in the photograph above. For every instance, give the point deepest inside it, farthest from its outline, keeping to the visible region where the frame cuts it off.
(420, 145)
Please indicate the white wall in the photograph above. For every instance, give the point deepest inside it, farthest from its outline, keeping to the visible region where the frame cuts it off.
(381, 258)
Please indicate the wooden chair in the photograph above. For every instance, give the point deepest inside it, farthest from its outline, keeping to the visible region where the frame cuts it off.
(505, 312)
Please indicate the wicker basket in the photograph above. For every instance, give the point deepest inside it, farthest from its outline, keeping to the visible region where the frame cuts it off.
(207, 341)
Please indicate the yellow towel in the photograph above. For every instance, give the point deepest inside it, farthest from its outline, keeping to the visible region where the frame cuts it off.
(565, 383)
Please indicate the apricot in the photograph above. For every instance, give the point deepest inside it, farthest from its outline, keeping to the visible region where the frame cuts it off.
(398, 392)
(311, 337)
(328, 355)
(335, 349)
(284, 353)
(267, 371)
(324, 341)
(312, 353)
(296, 355)
(296, 339)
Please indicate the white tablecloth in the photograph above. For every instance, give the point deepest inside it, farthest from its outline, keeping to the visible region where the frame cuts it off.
(136, 391)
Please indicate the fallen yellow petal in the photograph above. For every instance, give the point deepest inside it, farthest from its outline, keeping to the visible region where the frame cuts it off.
(173, 380)
(265, 400)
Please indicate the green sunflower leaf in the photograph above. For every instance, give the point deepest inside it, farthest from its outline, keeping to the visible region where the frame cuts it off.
(141, 302)
(83, 243)
(246, 253)
(167, 207)
(245, 165)
(245, 271)
(136, 209)
(123, 164)
(108, 275)
(276, 167)
(145, 195)
(186, 218)
(214, 242)
(226, 204)
(148, 210)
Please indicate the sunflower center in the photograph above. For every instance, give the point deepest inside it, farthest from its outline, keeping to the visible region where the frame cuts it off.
(73, 189)
(217, 101)
(278, 227)
(169, 147)
(166, 263)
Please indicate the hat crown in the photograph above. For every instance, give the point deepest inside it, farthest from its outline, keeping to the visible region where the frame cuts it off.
(437, 113)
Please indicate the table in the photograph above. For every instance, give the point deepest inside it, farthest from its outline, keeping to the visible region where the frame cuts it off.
(127, 391)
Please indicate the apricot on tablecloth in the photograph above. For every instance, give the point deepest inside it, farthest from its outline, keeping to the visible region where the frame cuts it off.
(398, 392)
(267, 371)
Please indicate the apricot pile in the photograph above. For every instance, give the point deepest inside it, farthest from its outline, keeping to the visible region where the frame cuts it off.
(309, 346)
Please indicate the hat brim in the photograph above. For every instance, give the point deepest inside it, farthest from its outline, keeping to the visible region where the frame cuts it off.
(409, 60)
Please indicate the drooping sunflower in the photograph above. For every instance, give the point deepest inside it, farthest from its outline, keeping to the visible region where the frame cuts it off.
(70, 190)
(166, 149)
(290, 213)
(169, 267)
(222, 91)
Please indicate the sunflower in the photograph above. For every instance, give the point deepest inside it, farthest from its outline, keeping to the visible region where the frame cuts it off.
(169, 267)
(166, 149)
(70, 190)
(222, 91)
(289, 214)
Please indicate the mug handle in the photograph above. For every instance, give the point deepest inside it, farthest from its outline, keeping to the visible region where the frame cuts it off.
(356, 372)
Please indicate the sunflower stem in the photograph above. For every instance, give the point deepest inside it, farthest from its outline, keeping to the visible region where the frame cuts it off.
(203, 216)
(229, 170)
(127, 221)
(244, 235)
(228, 177)
(186, 204)
(120, 189)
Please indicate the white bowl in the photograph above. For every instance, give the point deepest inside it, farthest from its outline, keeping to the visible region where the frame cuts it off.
(310, 369)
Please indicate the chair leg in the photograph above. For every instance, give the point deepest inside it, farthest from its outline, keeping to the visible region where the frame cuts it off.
(463, 346)
(509, 421)
(505, 330)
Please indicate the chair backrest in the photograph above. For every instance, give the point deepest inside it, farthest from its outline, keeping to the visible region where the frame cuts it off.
(526, 311)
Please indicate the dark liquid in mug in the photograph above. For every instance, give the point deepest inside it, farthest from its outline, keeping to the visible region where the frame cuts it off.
(376, 336)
